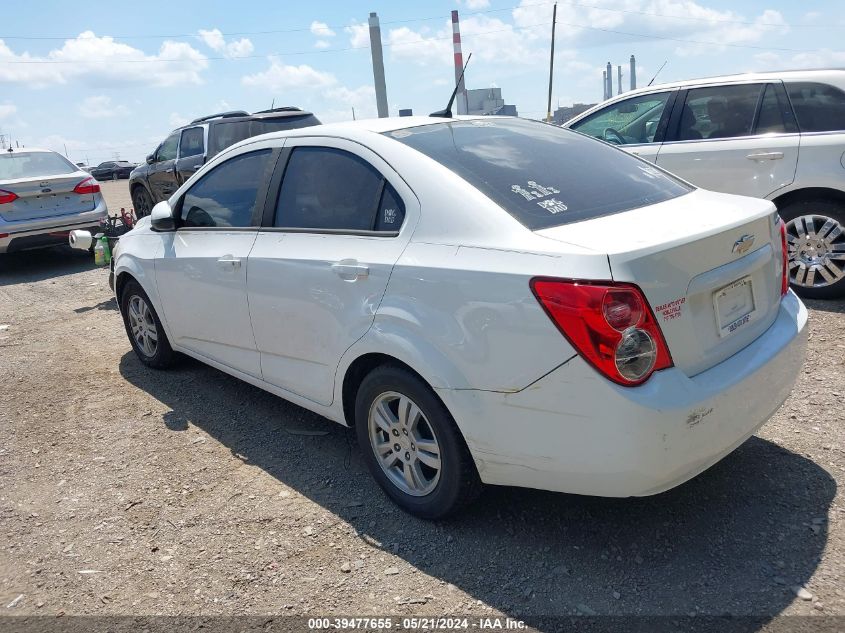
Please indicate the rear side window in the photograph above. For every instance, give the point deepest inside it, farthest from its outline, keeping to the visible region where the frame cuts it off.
(818, 107)
(15, 165)
(225, 133)
(327, 188)
(263, 126)
(771, 118)
(541, 174)
(718, 112)
(192, 143)
(226, 196)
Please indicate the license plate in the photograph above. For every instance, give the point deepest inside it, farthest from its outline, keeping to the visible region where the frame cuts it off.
(734, 305)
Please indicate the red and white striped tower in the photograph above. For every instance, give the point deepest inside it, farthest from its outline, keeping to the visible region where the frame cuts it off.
(461, 98)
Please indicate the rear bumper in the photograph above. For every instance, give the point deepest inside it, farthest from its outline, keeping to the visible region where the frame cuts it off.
(573, 431)
(51, 231)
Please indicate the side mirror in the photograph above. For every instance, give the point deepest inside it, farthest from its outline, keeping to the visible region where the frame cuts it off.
(161, 217)
(151, 159)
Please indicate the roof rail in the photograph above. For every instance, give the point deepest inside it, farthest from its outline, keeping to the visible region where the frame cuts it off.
(221, 115)
(280, 109)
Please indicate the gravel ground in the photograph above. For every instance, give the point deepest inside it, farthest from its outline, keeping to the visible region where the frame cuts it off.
(129, 491)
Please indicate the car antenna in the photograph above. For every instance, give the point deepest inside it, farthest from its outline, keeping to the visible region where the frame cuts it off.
(447, 113)
(657, 73)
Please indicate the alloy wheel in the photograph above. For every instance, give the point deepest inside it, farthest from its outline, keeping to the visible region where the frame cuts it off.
(404, 444)
(143, 325)
(816, 251)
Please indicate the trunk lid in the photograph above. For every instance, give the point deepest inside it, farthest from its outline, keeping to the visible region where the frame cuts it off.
(707, 263)
(45, 197)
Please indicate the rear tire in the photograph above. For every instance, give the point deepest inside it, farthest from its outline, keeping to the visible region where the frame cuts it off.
(142, 202)
(816, 234)
(431, 474)
(144, 329)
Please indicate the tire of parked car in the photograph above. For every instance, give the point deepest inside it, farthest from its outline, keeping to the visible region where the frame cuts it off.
(411, 444)
(142, 202)
(114, 175)
(144, 328)
(816, 235)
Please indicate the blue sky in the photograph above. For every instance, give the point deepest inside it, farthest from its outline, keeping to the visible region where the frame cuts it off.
(102, 77)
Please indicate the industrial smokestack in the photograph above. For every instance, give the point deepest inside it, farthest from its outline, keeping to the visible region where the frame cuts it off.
(461, 97)
(633, 73)
(378, 66)
(604, 85)
(609, 80)
(619, 80)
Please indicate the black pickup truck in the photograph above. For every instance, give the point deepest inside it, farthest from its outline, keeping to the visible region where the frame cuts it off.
(188, 148)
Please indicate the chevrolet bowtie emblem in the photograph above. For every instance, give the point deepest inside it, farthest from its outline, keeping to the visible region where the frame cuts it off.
(743, 244)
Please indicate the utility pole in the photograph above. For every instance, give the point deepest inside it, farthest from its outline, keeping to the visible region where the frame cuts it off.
(378, 65)
(551, 66)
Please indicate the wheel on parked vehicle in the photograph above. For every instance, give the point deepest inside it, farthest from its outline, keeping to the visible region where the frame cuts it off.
(144, 327)
(114, 175)
(142, 202)
(815, 231)
(411, 444)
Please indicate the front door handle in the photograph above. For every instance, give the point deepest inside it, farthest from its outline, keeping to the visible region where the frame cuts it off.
(228, 262)
(350, 269)
(765, 156)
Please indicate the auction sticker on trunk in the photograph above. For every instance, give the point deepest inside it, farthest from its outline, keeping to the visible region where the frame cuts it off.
(734, 305)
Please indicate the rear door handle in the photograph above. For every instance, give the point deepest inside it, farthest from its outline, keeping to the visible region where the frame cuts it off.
(350, 269)
(228, 262)
(765, 156)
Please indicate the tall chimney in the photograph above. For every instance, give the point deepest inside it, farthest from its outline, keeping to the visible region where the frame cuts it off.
(609, 80)
(619, 80)
(378, 66)
(461, 97)
(633, 73)
(604, 85)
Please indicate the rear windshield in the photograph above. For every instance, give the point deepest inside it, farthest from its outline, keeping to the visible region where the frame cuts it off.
(541, 174)
(226, 133)
(15, 165)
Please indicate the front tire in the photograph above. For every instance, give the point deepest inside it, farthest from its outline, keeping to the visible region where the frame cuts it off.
(815, 231)
(144, 329)
(142, 202)
(412, 446)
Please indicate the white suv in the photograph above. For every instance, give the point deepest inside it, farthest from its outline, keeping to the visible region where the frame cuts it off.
(778, 136)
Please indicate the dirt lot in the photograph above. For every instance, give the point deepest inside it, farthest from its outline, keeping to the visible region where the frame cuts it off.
(129, 491)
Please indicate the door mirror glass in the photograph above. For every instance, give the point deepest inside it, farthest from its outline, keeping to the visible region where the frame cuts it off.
(151, 159)
(161, 218)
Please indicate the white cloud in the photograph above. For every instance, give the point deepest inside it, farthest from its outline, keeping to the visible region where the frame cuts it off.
(7, 110)
(177, 120)
(321, 29)
(359, 34)
(103, 61)
(824, 58)
(477, 4)
(321, 44)
(280, 76)
(236, 48)
(101, 107)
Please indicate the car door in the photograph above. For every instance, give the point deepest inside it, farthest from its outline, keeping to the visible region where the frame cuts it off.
(102, 171)
(636, 124)
(191, 153)
(201, 271)
(735, 138)
(322, 259)
(162, 176)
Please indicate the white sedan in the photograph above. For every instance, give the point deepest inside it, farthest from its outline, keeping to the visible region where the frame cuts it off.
(485, 300)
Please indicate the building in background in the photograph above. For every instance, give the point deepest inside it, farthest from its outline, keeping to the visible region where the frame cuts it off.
(488, 101)
(563, 114)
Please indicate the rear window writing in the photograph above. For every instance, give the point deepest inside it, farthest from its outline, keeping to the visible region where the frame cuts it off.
(15, 165)
(541, 174)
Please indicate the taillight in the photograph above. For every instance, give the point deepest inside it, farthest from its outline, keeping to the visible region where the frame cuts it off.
(7, 196)
(87, 186)
(609, 324)
(784, 272)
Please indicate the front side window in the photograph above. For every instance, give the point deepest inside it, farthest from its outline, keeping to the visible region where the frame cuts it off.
(192, 143)
(818, 107)
(718, 112)
(327, 188)
(543, 175)
(226, 196)
(167, 151)
(631, 121)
